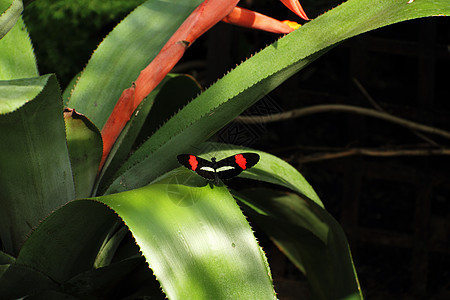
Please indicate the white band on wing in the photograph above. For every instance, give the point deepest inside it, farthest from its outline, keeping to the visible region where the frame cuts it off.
(208, 169)
(225, 168)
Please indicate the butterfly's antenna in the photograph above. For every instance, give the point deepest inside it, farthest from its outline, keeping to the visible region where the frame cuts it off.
(210, 152)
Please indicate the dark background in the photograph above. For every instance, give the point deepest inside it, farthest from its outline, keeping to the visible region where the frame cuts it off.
(394, 206)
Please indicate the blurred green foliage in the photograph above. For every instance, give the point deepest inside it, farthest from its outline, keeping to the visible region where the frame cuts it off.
(65, 33)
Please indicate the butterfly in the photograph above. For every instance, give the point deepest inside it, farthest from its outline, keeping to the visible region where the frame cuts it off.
(223, 169)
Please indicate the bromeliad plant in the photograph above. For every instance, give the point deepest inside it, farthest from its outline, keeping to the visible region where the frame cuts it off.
(79, 201)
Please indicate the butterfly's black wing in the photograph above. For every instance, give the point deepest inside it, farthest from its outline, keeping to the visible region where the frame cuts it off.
(234, 165)
(197, 164)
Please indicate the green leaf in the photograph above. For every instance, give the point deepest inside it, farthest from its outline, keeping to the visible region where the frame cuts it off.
(51, 295)
(17, 58)
(68, 241)
(69, 89)
(84, 142)
(36, 176)
(101, 282)
(10, 16)
(4, 5)
(259, 75)
(109, 248)
(5, 258)
(75, 247)
(309, 236)
(195, 239)
(17, 281)
(128, 49)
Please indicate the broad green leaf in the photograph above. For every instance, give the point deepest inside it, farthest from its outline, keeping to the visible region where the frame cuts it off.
(10, 16)
(259, 75)
(75, 247)
(85, 151)
(195, 239)
(311, 238)
(128, 49)
(36, 176)
(68, 241)
(17, 58)
(17, 281)
(16, 93)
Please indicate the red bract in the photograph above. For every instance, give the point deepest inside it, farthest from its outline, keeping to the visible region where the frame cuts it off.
(251, 19)
(295, 6)
(199, 21)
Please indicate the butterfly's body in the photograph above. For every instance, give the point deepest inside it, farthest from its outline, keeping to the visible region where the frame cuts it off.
(223, 169)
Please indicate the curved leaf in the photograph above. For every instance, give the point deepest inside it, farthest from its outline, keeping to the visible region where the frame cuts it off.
(85, 150)
(17, 58)
(68, 241)
(124, 53)
(17, 281)
(102, 282)
(109, 249)
(259, 75)
(195, 239)
(74, 248)
(311, 238)
(36, 176)
(10, 16)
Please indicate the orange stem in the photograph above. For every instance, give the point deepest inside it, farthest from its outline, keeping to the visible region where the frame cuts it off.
(119, 117)
(247, 18)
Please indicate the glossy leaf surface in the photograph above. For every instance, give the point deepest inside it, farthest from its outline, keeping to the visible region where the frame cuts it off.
(195, 239)
(17, 58)
(36, 175)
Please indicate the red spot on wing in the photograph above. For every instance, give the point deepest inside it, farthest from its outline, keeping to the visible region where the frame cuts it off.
(241, 161)
(193, 162)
